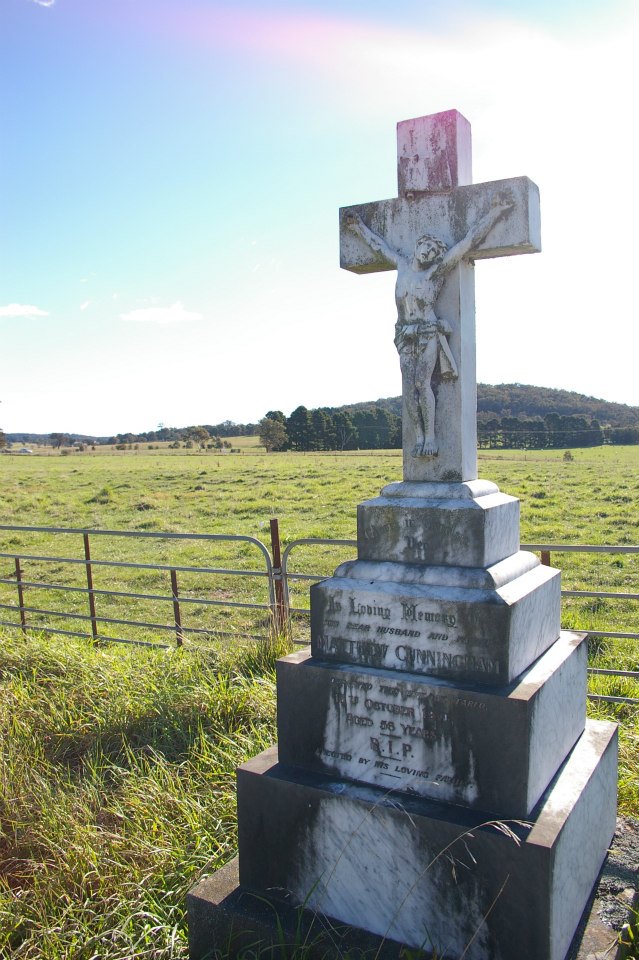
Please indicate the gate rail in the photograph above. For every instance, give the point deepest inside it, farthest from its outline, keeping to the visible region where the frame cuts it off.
(177, 600)
(275, 569)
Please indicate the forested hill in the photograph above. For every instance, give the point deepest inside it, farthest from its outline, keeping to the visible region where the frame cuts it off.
(508, 415)
(519, 400)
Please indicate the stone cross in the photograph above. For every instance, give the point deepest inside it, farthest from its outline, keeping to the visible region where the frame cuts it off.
(431, 234)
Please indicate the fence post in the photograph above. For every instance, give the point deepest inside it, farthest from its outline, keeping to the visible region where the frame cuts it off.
(87, 563)
(179, 636)
(545, 557)
(23, 617)
(280, 611)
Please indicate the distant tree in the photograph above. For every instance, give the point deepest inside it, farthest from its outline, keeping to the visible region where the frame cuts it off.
(272, 433)
(198, 435)
(622, 435)
(56, 439)
(345, 430)
(3, 439)
(299, 428)
(322, 431)
(389, 429)
(274, 415)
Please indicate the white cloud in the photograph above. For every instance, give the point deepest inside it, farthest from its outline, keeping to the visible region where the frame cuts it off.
(83, 306)
(27, 310)
(175, 314)
(44, 3)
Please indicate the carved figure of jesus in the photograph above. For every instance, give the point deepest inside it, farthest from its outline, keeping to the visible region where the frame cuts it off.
(420, 335)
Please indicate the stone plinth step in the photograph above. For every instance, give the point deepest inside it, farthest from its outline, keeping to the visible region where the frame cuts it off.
(489, 749)
(227, 920)
(441, 524)
(465, 629)
(429, 874)
(222, 916)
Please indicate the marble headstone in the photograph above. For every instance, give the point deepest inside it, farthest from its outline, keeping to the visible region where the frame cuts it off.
(437, 783)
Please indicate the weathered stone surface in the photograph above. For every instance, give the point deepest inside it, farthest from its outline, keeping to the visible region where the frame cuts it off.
(432, 240)
(441, 531)
(224, 917)
(422, 872)
(479, 635)
(433, 153)
(226, 920)
(468, 490)
(449, 215)
(493, 750)
(468, 578)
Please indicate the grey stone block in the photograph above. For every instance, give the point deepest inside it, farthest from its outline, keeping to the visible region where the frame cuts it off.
(425, 873)
(226, 920)
(494, 749)
(472, 634)
(462, 532)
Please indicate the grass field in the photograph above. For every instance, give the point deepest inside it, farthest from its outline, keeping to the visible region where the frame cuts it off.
(117, 785)
(590, 500)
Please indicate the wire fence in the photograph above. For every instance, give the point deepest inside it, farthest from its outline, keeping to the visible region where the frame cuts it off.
(196, 587)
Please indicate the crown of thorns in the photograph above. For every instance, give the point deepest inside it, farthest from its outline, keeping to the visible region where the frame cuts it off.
(436, 242)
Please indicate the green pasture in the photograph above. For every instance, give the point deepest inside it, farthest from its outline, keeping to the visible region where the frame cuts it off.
(591, 499)
(117, 775)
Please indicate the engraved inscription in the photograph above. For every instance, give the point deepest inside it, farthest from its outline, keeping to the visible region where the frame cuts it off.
(380, 728)
(411, 612)
(428, 635)
(359, 721)
(363, 651)
(368, 609)
(441, 660)
(418, 546)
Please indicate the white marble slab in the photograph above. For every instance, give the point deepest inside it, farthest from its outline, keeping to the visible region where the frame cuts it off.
(465, 532)
(479, 635)
(427, 874)
(491, 750)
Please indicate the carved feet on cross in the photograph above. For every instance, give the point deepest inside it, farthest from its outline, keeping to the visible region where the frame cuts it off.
(427, 450)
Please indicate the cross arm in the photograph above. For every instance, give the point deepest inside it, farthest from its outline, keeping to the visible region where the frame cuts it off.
(518, 230)
(352, 221)
(453, 216)
(363, 247)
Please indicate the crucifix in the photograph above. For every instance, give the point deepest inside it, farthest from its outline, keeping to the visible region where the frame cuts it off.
(431, 234)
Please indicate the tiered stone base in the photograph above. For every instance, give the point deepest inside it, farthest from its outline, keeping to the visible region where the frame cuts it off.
(432, 875)
(435, 786)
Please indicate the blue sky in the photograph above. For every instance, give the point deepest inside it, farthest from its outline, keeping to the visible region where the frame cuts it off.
(171, 174)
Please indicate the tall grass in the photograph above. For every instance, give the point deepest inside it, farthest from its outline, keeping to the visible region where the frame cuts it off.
(118, 789)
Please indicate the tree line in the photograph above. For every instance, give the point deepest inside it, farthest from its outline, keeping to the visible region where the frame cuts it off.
(508, 415)
(522, 400)
(551, 432)
(374, 427)
(324, 428)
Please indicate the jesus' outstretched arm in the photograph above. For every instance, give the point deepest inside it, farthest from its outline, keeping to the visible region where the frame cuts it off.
(354, 222)
(477, 233)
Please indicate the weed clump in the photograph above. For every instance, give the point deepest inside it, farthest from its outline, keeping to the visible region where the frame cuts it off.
(103, 496)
